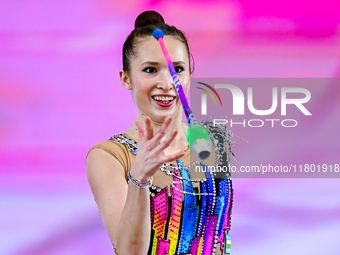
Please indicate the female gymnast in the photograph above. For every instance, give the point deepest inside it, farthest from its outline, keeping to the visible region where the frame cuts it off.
(143, 179)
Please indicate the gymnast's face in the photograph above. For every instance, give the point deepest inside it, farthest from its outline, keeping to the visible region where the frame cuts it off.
(152, 86)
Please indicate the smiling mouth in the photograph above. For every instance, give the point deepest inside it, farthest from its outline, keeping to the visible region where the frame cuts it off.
(163, 99)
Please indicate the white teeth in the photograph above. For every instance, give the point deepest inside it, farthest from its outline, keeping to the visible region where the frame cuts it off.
(163, 98)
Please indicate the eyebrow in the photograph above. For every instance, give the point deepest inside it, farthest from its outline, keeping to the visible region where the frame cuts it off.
(156, 63)
(179, 63)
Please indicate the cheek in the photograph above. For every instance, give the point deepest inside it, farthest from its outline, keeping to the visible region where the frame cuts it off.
(141, 84)
(186, 84)
(141, 91)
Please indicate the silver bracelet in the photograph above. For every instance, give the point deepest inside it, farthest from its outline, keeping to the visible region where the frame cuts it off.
(137, 183)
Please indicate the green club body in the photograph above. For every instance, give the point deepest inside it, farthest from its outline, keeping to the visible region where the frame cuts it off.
(199, 141)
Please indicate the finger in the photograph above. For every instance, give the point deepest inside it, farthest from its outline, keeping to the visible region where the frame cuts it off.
(163, 145)
(161, 132)
(149, 128)
(172, 157)
(141, 131)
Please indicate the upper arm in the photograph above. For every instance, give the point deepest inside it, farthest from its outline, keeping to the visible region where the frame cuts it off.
(106, 178)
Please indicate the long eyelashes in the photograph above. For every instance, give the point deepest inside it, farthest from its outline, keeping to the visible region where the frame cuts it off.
(179, 69)
(149, 70)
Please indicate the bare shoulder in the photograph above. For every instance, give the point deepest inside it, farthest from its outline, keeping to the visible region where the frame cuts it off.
(99, 158)
(104, 172)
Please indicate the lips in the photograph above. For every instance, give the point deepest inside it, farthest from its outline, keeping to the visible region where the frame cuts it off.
(164, 100)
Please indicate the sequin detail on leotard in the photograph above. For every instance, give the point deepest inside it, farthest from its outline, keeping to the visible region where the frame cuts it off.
(192, 225)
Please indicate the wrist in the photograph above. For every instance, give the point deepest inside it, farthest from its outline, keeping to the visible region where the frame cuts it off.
(137, 183)
(139, 175)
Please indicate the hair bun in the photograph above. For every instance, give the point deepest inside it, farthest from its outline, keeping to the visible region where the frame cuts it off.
(148, 18)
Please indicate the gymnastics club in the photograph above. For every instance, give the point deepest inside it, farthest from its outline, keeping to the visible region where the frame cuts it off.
(198, 137)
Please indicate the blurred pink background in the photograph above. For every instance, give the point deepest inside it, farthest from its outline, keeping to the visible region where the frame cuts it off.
(60, 94)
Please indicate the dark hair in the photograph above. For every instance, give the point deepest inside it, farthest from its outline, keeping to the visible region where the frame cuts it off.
(145, 23)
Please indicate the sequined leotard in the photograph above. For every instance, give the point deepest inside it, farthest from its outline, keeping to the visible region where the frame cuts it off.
(188, 219)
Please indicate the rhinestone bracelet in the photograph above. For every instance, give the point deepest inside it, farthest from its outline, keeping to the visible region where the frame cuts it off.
(137, 183)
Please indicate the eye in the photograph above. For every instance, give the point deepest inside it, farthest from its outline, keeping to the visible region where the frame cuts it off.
(179, 69)
(149, 70)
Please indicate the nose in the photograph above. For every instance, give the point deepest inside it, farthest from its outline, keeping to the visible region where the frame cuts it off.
(165, 83)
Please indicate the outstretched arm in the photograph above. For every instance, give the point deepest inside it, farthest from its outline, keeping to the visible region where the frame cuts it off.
(125, 208)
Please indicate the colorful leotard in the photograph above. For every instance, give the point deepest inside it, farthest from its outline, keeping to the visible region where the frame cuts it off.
(193, 224)
(185, 223)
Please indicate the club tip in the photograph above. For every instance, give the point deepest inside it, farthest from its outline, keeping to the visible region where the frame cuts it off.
(158, 33)
(203, 155)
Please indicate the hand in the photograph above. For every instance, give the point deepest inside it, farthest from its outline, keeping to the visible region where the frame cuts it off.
(150, 156)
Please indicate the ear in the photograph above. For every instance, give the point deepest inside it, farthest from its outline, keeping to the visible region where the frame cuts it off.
(125, 79)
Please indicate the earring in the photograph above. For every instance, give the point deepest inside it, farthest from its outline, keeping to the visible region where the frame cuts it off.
(128, 86)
